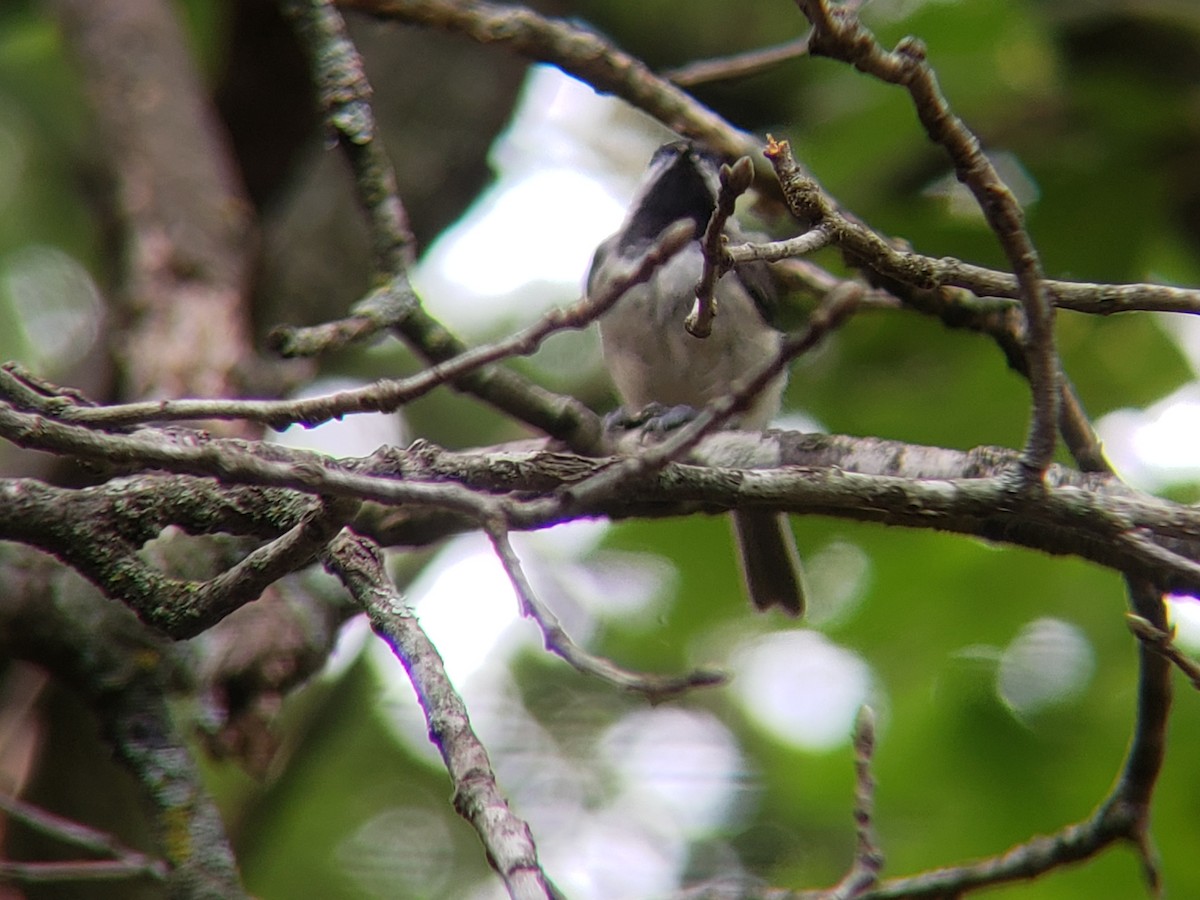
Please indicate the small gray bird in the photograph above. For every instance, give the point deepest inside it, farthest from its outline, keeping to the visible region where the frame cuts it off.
(656, 364)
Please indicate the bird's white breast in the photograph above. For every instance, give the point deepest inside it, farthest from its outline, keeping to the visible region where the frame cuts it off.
(652, 358)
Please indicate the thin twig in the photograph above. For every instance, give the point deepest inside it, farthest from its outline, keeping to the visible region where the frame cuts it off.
(654, 687)
(125, 862)
(386, 395)
(1163, 642)
(734, 181)
(82, 870)
(868, 858)
(1023, 862)
(1079, 296)
(383, 309)
(736, 65)
(802, 245)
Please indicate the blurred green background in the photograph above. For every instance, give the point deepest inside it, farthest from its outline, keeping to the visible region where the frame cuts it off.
(1096, 108)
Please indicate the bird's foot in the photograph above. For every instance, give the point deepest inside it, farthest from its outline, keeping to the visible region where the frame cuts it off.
(654, 417)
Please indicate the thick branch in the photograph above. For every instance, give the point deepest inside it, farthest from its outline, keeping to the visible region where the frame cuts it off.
(99, 532)
(1090, 516)
(185, 217)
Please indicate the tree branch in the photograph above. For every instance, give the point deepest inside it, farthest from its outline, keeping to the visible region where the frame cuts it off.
(868, 858)
(838, 33)
(1074, 514)
(69, 524)
(655, 688)
(185, 216)
(506, 838)
(386, 395)
(736, 65)
(123, 672)
(1163, 642)
(591, 58)
(343, 89)
(125, 862)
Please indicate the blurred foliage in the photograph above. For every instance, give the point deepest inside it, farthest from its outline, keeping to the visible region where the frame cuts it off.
(1100, 104)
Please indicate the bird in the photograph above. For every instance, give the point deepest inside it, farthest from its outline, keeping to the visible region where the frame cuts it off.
(661, 372)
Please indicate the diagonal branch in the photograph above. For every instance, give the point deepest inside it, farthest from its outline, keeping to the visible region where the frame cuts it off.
(509, 844)
(578, 52)
(344, 91)
(737, 65)
(345, 98)
(734, 181)
(386, 395)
